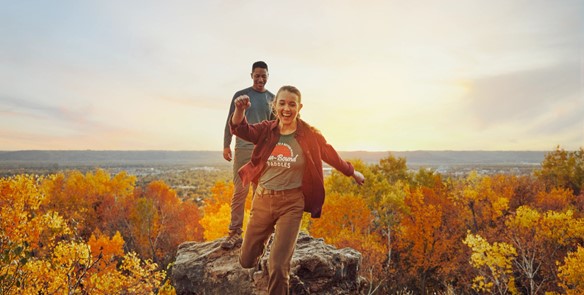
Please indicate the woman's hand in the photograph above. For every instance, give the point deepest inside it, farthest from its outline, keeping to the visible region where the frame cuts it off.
(359, 178)
(242, 103)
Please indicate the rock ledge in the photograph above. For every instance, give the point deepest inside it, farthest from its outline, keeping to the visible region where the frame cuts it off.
(317, 268)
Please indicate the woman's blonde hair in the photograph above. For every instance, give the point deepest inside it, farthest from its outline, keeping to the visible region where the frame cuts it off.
(290, 89)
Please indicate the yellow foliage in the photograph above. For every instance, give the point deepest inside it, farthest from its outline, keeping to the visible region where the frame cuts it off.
(221, 193)
(494, 262)
(167, 289)
(525, 218)
(106, 283)
(217, 212)
(141, 276)
(46, 257)
(571, 273)
(562, 227)
(216, 225)
(559, 227)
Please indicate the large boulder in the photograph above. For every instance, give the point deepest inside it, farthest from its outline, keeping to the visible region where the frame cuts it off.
(316, 268)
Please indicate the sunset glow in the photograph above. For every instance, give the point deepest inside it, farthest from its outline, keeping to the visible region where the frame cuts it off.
(413, 75)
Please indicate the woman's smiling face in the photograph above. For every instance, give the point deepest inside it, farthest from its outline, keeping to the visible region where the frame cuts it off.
(287, 105)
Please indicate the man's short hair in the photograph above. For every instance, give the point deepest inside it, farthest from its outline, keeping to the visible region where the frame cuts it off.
(259, 64)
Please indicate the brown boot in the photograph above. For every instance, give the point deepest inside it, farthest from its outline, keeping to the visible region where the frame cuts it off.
(233, 240)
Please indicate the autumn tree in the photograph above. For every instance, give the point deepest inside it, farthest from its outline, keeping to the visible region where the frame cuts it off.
(541, 239)
(526, 188)
(562, 168)
(90, 201)
(428, 238)
(217, 211)
(484, 202)
(571, 272)
(494, 263)
(393, 169)
(159, 221)
(557, 199)
(383, 193)
(426, 178)
(44, 255)
(347, 222)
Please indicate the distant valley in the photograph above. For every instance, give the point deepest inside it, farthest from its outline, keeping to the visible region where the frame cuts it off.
(80, 158)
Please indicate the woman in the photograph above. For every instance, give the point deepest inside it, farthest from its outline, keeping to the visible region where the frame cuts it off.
(286, 163)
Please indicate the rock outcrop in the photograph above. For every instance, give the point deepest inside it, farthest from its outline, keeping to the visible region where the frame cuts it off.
(316, 268)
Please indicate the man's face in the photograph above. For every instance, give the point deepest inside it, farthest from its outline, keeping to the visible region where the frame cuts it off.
(260, 78)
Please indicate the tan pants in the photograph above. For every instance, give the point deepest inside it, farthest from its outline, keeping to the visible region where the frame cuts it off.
(241, 157)
(273, 212)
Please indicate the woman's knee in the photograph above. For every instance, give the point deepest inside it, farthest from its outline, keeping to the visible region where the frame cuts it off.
(247, 262)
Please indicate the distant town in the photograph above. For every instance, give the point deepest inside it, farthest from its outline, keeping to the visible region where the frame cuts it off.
(144, 163)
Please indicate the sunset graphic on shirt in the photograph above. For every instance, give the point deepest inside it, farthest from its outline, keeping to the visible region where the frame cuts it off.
(282, 156)
(282, 150)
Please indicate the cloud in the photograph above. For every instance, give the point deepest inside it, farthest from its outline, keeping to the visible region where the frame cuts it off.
(153, 74)
(40, 110)
(32, 124)
(525, 96)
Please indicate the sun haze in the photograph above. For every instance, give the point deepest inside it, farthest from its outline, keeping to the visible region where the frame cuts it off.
(388, 75)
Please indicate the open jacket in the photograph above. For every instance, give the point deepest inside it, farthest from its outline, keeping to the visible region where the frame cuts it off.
(265, 136)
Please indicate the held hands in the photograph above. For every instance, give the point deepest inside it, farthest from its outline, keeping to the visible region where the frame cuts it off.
(359, 178)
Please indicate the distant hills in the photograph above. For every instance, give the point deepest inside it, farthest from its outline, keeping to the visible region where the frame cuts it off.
(47, 158)
(449, 158)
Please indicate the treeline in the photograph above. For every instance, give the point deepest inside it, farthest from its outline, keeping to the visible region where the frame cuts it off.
(190, 184)
(97, 233)
(500, 234)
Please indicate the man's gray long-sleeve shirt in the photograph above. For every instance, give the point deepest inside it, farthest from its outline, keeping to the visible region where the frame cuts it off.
(260, 110)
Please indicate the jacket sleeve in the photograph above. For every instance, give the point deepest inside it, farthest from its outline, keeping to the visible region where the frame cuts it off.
(331, 157)
(245, 131)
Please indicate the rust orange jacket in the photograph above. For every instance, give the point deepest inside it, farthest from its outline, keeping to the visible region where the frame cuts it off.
(265, 136)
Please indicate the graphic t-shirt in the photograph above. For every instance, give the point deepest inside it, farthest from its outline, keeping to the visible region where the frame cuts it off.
(285, 166)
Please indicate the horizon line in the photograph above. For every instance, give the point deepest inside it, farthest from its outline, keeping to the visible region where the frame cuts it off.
(348, 151)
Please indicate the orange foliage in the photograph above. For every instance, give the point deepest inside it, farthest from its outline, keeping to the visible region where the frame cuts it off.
(160, 221)
(346, 222)
(152, 220)
(427, 239)
(97, 233)
(557, 199)
(106, 249)
(44, 254)
(483, 201)
(90, 201)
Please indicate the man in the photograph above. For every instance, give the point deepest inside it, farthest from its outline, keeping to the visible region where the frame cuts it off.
(260, 110)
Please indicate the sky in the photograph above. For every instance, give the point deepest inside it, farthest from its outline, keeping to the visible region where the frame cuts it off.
(374, 75)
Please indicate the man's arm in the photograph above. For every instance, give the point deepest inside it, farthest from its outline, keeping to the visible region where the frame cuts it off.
(227, 136)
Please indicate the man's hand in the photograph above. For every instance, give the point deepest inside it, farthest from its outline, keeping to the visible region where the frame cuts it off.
(359, 178)
(227, 154)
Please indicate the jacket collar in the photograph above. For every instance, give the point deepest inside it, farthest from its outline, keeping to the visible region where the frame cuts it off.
(301, 126)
